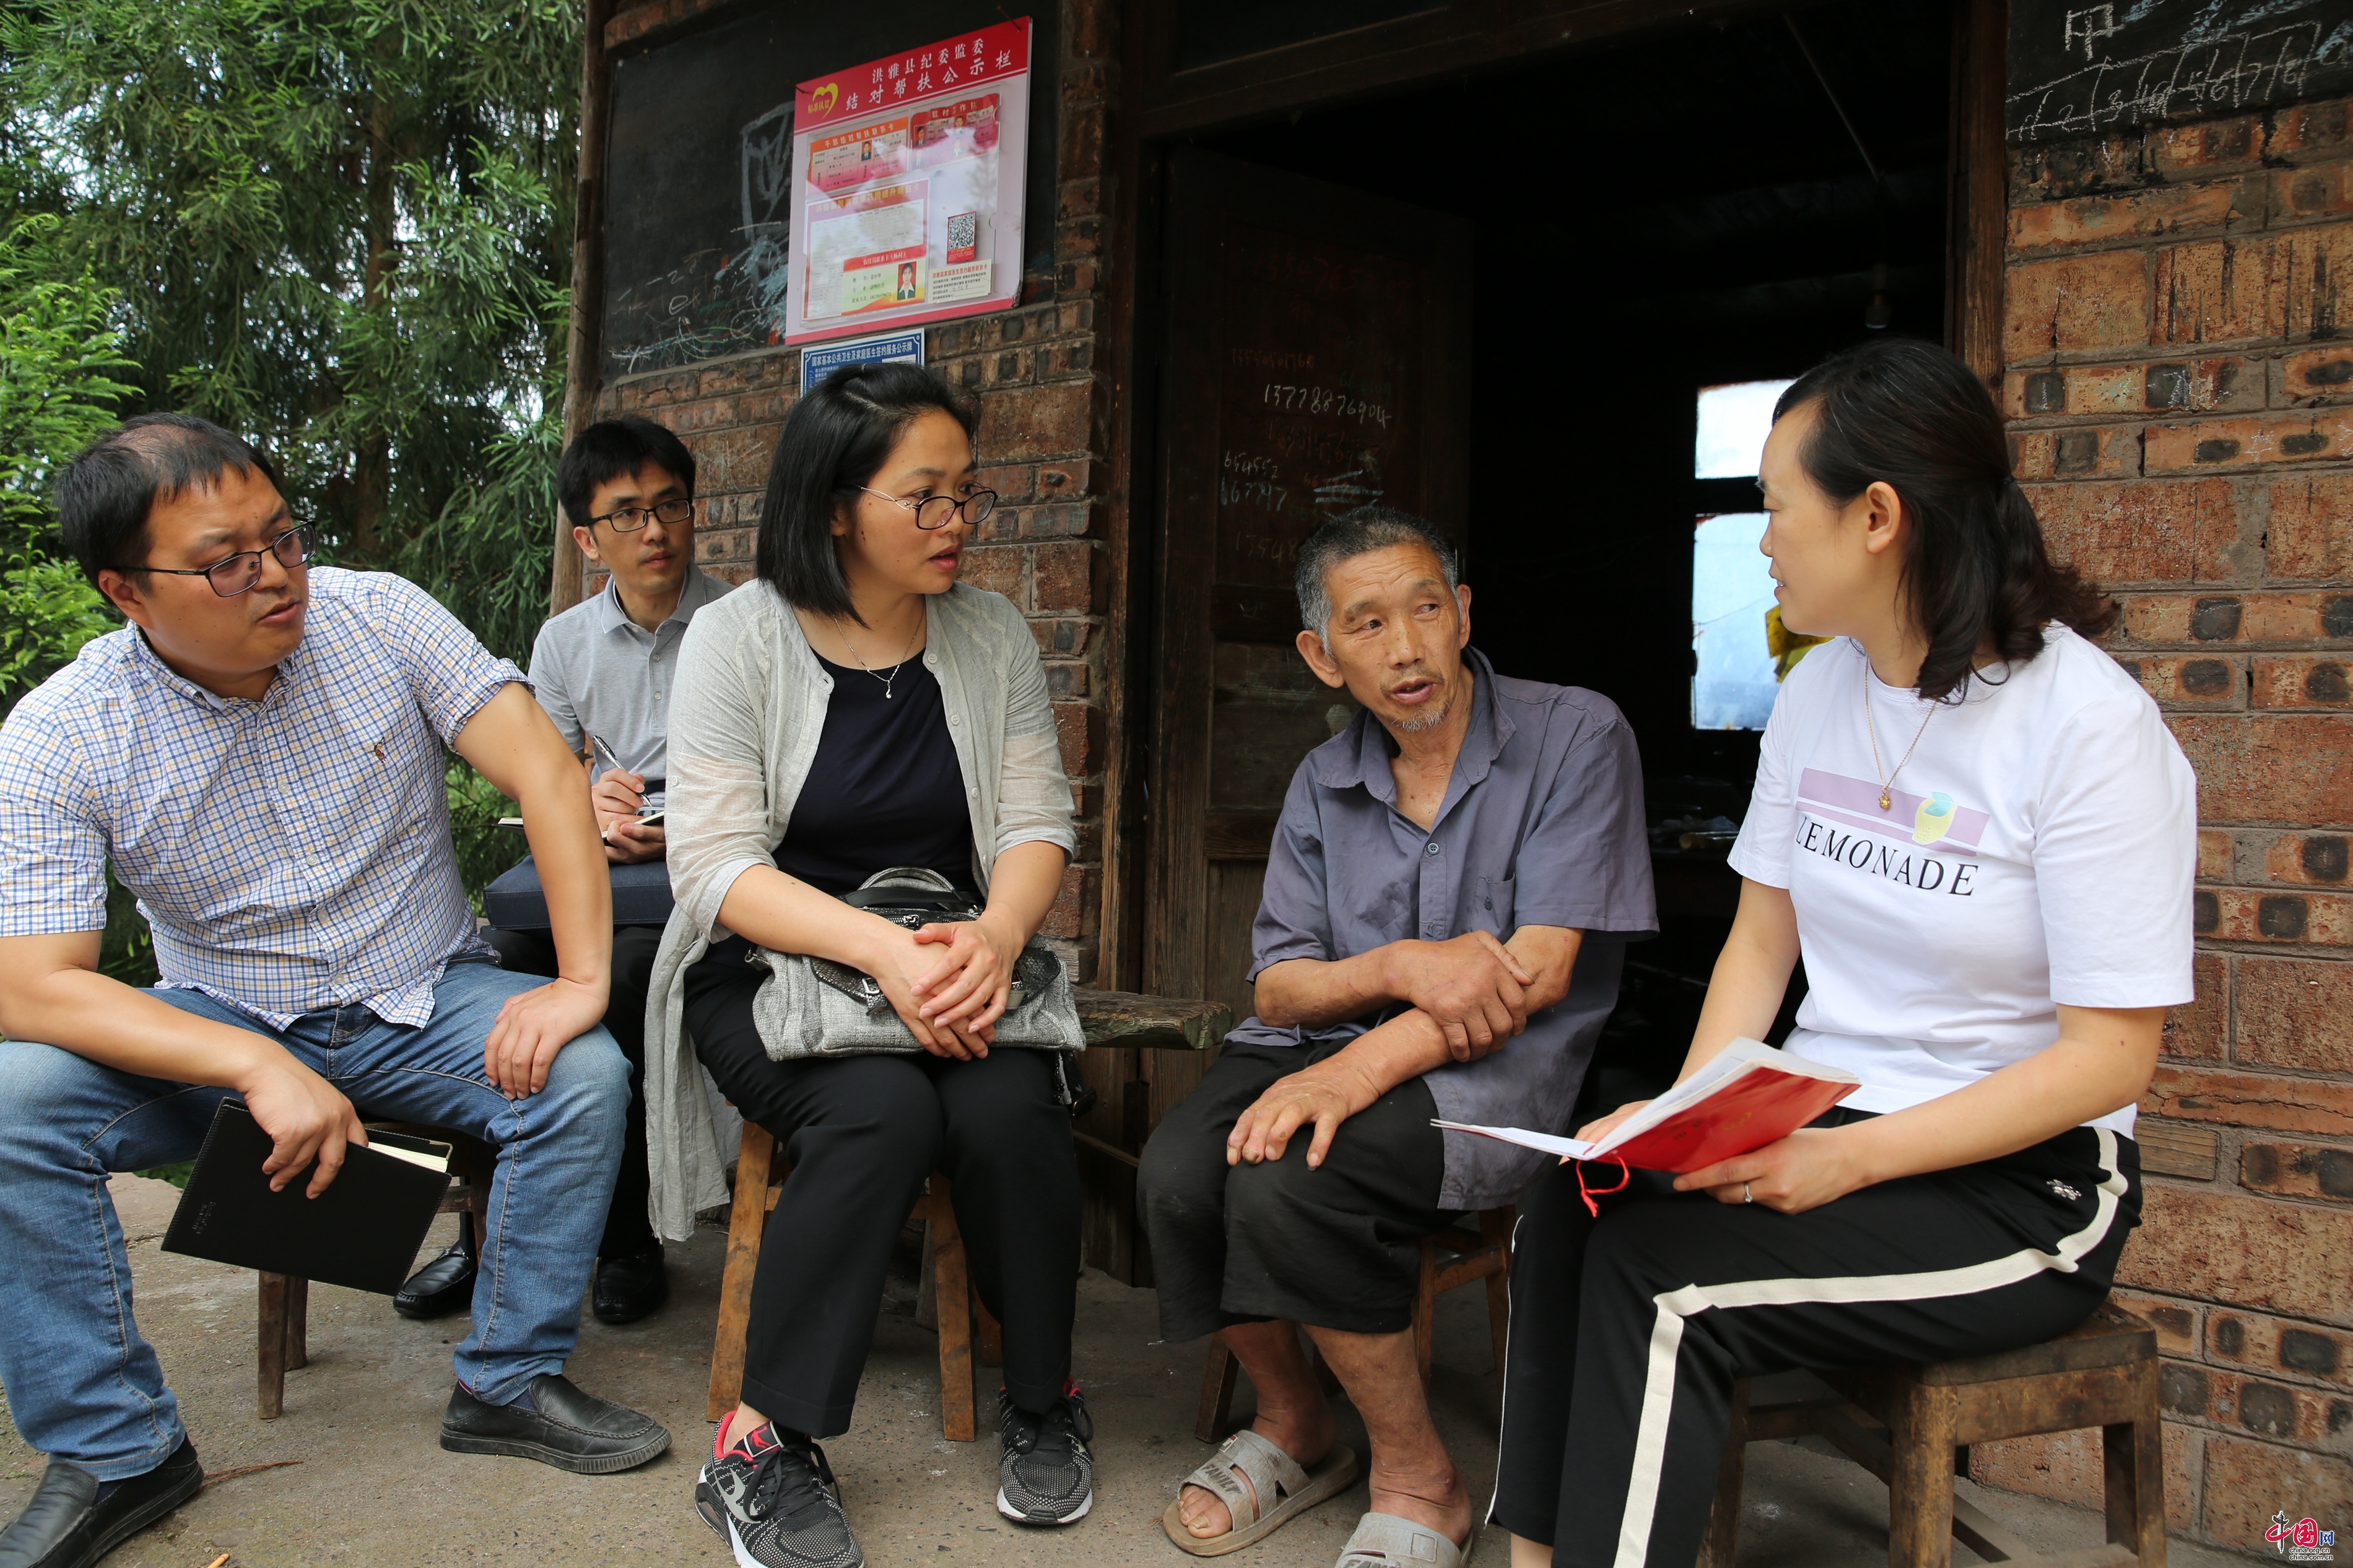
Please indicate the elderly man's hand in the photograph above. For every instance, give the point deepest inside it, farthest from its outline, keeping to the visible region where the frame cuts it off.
(1471, 987)
(1326, 1094)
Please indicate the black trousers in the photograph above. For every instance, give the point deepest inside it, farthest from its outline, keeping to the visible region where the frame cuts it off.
(1337, 1246)
(628, 1232)
(861, 1134)
(1629, 1331)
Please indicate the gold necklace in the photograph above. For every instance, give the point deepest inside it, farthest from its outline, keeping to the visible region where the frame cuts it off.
(1887, 783)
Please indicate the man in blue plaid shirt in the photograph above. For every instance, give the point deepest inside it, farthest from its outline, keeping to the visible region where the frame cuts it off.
(258, 755)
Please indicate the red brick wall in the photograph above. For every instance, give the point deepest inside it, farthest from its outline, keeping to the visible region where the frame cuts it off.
(2179, 338)
(1040, 446)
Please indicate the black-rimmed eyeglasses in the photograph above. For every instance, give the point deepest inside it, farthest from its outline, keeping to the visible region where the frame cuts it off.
(630, 519)
(234, 575)
(935, 512)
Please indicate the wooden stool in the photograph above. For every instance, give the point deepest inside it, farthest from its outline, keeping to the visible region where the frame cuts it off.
(1488, 1258)
(286, 1299)
(1910, 1425)
(759, 1182)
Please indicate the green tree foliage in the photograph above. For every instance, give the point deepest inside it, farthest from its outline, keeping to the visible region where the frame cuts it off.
(342, 227)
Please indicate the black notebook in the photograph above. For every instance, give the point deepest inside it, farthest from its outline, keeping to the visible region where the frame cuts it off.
(363, 1231)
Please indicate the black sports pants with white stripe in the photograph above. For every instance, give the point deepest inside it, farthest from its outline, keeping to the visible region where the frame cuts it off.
(1629, 1330)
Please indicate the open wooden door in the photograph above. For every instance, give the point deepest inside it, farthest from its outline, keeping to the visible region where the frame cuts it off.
(1316, 359)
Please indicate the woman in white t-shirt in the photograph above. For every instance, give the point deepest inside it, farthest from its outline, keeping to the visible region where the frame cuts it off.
(1975, 828)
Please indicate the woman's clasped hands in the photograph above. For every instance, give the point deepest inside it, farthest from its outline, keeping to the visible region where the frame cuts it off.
(951, 1000)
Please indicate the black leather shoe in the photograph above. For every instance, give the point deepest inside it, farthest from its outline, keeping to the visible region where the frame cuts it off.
(563, 1426)
(442, 1287)
(66, 1525)
(629, 1287)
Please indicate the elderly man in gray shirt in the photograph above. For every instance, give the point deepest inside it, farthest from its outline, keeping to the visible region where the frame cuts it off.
(1451, 885)
(602, 670)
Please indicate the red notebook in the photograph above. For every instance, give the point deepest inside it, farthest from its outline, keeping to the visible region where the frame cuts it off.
(1747, 1096)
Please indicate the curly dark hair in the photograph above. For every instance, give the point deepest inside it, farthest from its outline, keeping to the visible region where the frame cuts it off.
(1976, 570)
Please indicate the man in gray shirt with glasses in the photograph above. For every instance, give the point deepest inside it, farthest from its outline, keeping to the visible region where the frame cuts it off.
(602, 670)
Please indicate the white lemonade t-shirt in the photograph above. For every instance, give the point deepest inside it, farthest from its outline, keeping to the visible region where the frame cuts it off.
(2039, 848)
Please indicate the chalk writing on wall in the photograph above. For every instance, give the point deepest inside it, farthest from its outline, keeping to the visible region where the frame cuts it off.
(2077, 69)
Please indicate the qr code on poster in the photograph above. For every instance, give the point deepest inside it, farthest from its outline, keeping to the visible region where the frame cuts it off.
(964, 237)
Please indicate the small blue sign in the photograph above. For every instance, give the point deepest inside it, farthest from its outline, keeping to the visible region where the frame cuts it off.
(821, 360)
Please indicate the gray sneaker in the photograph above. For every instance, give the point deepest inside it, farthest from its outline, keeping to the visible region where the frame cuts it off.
(1044, 1473)
(773, 1499)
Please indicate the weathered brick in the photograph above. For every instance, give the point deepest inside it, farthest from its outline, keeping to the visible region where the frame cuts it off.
(2251, 914)
(2217, 292)
(2068, 1466)
(2298, 1350)
(1066, 679)
(1075, 902)
(2247, 1482)
(2155, 212)
(1064, 578)
(2084, 452)
(2316, 375)
(2214, 853)
(1051, 420)
(2245, 1251)
(2310, 130)
(2295, 1013)
(2076, 305)
(2317, 858)
(999, 568)
(2278, 1411)
(2321, 191)
(2178, 1323)
(2320, 436)
(1066, 481)
(1013, 482)
(2250, 1100)
(2202, 1028)
(2190, 680)
(2249, 619)
(2311, 531)
(1079, 727)
(2141, 530)
(2273, 767)
(2316, 281)
(2206, 147)
(2055, 171)
(2301, 681)
(2299, 1171)
(2193, 387)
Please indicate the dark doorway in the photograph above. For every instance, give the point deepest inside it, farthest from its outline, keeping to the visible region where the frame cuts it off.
(1725, 203)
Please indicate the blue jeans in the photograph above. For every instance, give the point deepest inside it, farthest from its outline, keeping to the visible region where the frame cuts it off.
(81, 1383)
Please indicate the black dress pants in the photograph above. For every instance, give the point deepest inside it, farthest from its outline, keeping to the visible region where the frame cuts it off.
(628, 1232)
(1337, 1246)
(861, 1133)
(1629, 1330)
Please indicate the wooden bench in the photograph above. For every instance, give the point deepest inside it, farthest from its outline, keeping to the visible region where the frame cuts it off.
(1111, 1018)
(1911, 1426)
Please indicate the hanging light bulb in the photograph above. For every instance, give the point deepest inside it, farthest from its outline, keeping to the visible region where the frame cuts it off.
(1879, 314)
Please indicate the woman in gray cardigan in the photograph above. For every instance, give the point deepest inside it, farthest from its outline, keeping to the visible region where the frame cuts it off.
(853, 710)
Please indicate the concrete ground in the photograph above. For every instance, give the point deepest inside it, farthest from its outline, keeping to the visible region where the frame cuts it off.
(370, 1484)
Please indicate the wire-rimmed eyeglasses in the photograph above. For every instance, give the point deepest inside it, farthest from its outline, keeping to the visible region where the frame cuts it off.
(630, 518)
(934, 512)
(234, 575)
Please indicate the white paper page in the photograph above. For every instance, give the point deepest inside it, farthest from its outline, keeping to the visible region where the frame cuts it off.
(414, 1156)
(1551, 1143)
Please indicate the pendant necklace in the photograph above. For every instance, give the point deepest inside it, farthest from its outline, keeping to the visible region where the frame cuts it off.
(1887, 781)
(887, 676)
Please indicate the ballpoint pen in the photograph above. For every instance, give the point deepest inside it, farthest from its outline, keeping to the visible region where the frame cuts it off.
(612, 764)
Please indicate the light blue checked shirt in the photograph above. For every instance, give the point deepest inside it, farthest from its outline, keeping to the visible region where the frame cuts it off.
(291, 853)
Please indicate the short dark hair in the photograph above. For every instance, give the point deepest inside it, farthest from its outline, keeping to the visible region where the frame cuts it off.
(1360, 532)
(611, 449)
(1976, 568)
(835, 441)
(105, 493)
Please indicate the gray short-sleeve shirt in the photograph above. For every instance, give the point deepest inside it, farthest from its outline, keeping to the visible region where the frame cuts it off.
(1542, 824)
(599, 673)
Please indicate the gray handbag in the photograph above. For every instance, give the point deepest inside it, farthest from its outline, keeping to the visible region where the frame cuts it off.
(816, 1007)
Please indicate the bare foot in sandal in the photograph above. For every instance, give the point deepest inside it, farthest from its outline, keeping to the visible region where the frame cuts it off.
(1305, 1432)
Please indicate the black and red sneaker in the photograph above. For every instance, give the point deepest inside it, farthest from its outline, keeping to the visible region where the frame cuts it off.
(773, 1498)
(1044, 1473)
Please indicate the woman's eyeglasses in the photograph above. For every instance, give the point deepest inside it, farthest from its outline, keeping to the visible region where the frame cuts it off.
(235, 574)
(630, 519)
(935, 512)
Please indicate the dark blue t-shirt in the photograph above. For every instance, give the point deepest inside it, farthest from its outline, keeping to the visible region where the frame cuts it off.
(884, 789)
